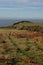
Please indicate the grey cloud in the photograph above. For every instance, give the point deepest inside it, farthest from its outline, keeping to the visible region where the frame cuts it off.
(20, 2)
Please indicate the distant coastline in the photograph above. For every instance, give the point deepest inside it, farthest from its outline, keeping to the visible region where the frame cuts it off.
(7, 22)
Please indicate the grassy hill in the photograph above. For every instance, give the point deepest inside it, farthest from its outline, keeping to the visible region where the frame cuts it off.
(21, 46)
(28, 25)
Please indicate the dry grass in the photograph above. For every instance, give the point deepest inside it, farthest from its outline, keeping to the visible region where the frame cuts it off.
(25, 51)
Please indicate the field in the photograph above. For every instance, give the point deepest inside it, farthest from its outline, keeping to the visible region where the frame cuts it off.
(21, 47)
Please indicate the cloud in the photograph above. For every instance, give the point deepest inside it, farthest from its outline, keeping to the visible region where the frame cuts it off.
(22, 8)
(17, 1)
(21, 3)
(37, 2)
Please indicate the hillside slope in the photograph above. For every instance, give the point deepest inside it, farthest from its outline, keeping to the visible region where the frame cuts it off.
(21, 47)
(21, 44)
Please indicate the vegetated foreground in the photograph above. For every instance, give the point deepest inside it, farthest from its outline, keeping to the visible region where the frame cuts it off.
(21, 47)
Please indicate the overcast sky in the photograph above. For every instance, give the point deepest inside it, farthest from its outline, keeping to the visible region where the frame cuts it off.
(21, 8)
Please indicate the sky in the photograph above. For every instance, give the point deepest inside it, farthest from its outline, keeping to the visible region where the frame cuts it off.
(21, 9)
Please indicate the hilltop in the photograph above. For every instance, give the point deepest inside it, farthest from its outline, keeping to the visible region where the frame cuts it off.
(28, 25)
